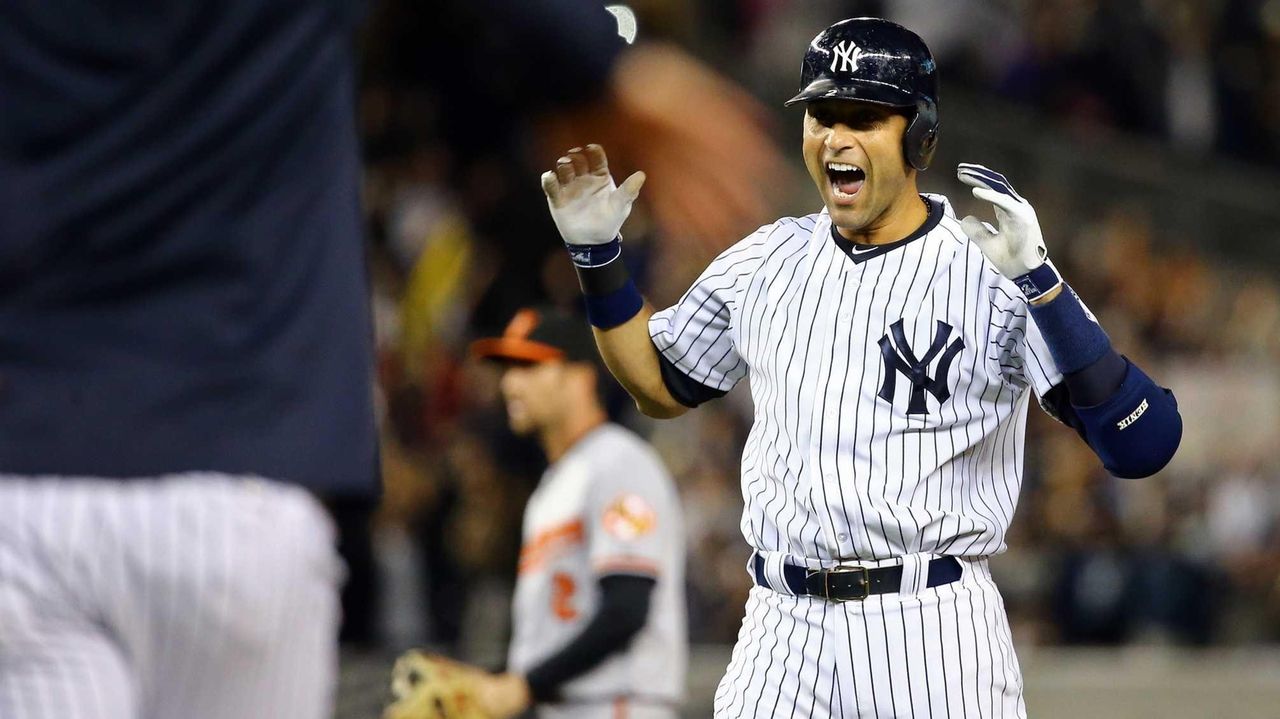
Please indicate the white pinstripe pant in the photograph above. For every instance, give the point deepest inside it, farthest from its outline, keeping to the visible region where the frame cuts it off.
(940, 652)
(197, 596)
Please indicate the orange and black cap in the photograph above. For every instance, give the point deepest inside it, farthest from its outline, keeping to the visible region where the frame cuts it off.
(543, 334)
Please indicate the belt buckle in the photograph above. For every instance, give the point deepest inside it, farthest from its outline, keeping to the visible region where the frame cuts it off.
(866, 582)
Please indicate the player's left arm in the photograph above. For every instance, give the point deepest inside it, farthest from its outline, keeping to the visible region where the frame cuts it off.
(621, 612)
(634, 517)
(1129, 421)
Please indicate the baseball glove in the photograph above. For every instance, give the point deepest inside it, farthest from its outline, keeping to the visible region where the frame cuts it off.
(428, 686)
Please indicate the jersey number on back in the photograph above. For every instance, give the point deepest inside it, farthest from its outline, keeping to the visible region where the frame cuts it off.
(562, 588)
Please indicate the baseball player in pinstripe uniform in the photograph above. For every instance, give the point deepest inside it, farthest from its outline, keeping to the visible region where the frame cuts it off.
(891, 350)
(599, 609)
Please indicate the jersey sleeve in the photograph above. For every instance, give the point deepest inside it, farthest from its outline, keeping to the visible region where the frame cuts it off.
(1017, 345)
(695, 336)
(632, 517)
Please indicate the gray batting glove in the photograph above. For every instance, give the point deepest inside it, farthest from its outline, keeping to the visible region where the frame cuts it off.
(587, 207)
(1018, 247)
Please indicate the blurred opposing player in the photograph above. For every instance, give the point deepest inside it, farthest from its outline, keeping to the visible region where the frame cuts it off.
(185, 355)
(599, 613)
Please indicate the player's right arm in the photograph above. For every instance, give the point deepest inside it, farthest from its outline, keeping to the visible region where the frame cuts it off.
(589, 210)
(629, 353)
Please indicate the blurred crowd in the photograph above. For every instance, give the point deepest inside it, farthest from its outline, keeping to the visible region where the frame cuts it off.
(460, 239)
(1204, 74)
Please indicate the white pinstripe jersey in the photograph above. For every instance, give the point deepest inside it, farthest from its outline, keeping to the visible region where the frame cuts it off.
(890, 387)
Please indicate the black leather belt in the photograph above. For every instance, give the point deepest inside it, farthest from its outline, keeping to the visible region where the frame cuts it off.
(853, 583)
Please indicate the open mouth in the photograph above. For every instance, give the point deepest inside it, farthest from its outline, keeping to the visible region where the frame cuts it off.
(846, 180)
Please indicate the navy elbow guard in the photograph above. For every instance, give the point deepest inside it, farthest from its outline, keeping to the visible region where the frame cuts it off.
(1137, 430)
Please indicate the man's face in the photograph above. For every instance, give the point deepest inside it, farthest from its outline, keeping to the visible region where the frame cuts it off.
(853, 151)
(535, 395)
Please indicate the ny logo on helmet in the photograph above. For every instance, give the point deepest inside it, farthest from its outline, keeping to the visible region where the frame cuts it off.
(904, 360)
(846, 55)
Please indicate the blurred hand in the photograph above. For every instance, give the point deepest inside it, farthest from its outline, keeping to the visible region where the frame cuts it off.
(502, 695)
(699, 138)
(587, 207)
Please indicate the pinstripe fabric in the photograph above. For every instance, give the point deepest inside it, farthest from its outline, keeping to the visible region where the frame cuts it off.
(195, 596)
(942, 652)
(890, 391)
(831, 470)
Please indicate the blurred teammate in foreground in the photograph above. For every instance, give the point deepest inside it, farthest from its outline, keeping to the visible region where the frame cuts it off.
(185, 355)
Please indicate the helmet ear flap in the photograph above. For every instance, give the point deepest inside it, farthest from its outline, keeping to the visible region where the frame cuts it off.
(921, 137)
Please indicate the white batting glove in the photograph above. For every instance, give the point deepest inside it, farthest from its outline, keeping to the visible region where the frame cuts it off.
(587, 207)
(1017, 249)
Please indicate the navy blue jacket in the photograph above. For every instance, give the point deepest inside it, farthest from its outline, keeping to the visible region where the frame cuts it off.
(182, 278)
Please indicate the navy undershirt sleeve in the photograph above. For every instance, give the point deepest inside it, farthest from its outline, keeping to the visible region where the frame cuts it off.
(686, 390)
(1089, 387)
(624, 609)
(1095, 383)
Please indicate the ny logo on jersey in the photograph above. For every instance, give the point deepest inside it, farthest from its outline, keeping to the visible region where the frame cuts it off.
(904, 360)
(846, 55)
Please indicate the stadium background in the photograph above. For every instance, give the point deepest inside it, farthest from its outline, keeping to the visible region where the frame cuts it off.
(1146, 133)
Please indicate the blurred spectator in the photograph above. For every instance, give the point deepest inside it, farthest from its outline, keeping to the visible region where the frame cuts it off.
(1247, 70)
(1190, 102)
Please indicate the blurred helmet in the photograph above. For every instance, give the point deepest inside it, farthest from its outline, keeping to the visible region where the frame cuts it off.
(874, 60)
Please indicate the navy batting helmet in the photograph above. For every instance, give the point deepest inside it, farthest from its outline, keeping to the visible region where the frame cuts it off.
(874, 60)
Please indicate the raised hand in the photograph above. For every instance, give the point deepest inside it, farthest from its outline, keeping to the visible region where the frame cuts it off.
(715, 172)
(587, 207)
(1018, 246)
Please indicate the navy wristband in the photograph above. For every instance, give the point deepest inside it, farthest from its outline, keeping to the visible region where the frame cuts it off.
(588, 256)
(1074, 340)
(610, 310)
(1038, 282)
(609, 293)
